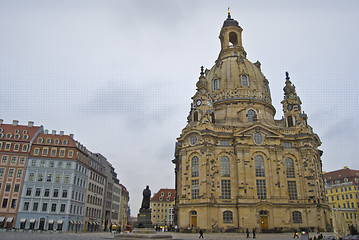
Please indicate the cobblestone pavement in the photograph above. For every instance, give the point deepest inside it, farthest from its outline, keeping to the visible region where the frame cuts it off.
(176, 236)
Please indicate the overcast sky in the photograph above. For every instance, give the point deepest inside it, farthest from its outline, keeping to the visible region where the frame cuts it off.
(120, 74)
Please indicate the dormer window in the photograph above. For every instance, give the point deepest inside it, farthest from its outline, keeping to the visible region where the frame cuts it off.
(244, 80)
(251, 115)
(215, 84)
(48, 141)
(290, 121)
(345, 179)
(40, 140)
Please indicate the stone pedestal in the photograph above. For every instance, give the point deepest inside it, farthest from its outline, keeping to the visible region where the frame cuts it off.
(144, 219)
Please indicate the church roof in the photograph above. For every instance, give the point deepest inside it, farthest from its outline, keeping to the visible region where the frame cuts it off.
(165, 195)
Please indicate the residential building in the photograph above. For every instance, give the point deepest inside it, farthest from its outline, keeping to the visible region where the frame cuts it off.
(124, 208)
(162, 204)
(236, 166)
(15, 142)
(116, 203)
(94, 205)
(342, 189)
(53, 195)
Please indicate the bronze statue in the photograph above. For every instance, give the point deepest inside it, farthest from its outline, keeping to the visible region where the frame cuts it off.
(146, 198)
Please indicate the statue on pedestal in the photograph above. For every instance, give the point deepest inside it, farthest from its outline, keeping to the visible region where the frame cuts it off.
(146, 198)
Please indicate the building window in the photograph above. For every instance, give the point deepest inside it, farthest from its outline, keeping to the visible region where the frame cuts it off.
(4, 203)
(244, 80)
(13, 203)
(287, 145)
(261, 188)
(226, 189)
(215, 84)
(36, 151)
(24, 147)
(289, 166)
(68, 165)
(259, 163)
(40, 140)
(62, 207)
(251, 114)
(37, 192)
(7, 187)
(57, 141)
(53, 207)
(297, 217)
(13, 159)
(35, 206)
(7, 146)
(224, 142)
(11, 172)
(4, 159)
(19, 173)
(42, 163)
(65, 142)
(58, 178)
(45, 151)
(225, 167)
(195, 166)
(33, 163)
(56, 193)
(16, 187)
(292, 190)
(227, 217)
(67, 178)
(44, 207)
(40, 177)
(47, 192)
(70, 153)
(290, 121)
(2, 171)
(16, 147)
(22, 160)
(51, 164)
(31, 176)
(53, 152)
(26, 206)
(193, 140)
(257, 138)
(48, 141)
(64, 193)
(195, 189)
(49, 177)
(62, 152)
(28, 191)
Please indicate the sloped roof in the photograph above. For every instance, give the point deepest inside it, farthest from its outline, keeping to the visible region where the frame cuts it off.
(341, 174)
(164, 195)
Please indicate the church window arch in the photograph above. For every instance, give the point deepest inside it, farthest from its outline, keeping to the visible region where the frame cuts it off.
(290, 121)
(195, 166)
(297, 217)
(259, 163)
(289, 166)
(244, 80)
(195, 116)
(227, 217)
(225, 167)
(215, 84)
(251, 114)
(233, 39)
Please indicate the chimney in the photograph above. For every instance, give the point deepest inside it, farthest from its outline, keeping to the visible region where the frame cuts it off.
(46, 131)
(53, 132)
(72, 135)
(30, 124)
(1, 121)
(15, 122)
(61, 133)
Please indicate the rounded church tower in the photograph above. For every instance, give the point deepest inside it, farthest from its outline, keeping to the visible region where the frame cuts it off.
(237, 88)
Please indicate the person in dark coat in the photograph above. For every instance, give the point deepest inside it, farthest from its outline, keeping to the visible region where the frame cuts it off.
(247, 231)
(254, 233)
(200, 233)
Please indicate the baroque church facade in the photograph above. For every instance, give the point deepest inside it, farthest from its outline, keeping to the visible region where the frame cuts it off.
(236, 167)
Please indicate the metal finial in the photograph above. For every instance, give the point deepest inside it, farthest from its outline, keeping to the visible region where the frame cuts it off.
(229, 13)
(287, 75)
(202, 68)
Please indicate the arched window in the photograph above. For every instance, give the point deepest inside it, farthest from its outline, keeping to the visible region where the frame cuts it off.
(259, 162)
(290, 121)
(297, 217)
(289, 166)
(244, 80)
(233, 40)
(225, 167)
(250, 115)
(227, 217)
(215, 84)
(195, 166)
(195, 116)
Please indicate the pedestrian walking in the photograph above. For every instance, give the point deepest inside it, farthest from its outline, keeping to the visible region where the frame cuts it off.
(296, 235)
(254, 233)
(200, 233)
(247, 231)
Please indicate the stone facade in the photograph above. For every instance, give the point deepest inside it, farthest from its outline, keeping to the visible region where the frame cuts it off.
(236, 166)
(162, 204)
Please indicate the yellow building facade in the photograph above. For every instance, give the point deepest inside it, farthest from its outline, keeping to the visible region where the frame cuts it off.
(342, 191)
(236, 166)
(162, 204)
